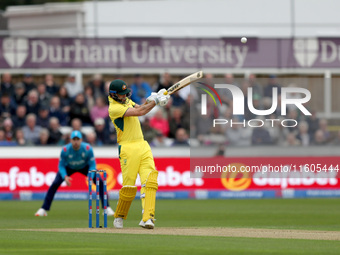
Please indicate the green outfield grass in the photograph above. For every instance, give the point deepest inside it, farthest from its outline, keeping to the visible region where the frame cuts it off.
(308, 214)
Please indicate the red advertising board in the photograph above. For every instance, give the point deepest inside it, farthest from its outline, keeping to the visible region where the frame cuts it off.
(174, 174)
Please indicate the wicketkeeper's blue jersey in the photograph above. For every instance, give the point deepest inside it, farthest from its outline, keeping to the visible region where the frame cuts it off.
(76, 160)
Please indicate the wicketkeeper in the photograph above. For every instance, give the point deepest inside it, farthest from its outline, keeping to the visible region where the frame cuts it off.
(75, 157)
(134, 152)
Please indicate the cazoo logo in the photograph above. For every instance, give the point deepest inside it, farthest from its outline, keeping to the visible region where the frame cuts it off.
(239, 104)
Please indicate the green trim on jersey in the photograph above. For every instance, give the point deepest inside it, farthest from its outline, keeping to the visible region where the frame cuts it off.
(120, 123)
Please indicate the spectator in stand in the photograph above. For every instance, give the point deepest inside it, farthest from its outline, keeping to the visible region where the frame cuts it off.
(313, 124)
(20, 93)
(161, 141)
(19, 137)
(3, 141)
(72, 86)
(51, 87)
(292, 115)
(32, 104)
(186, 113)
(7, 107)
(19, 119)
(102, 133)
(6, 85)
(9, 130)
(65, 101)
(90, 102)
(319, 138)
(79, 110)
(140, 90)
(54, 129)
(98, 86)
(31, 130)
(256, 103)
(272, 83)
(277, 132)
(176, 121)
(260, 135)
(323, 126)
(177, 100)
(257, 88)
(56, 111)
(209, 79)
(91, 138)
(182, 138)
(43, 117)
(303, 135)
(291, 140)
(163, 83)
(65, 139)
(148, 132)
(336, 141)
(28, 82)
(76, 124)
(204, 127)
(160, 123)
(100, 110)
(43, 137)
(237, 135)
(44, 96)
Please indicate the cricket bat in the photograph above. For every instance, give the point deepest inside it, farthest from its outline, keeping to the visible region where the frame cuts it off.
(184, 82)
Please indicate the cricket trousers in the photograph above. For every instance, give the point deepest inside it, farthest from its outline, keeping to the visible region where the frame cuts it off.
(59, 180)
(135, 158)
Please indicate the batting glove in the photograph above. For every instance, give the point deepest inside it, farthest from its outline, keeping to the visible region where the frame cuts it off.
(161, 92)
(163, 99)
(152, 97)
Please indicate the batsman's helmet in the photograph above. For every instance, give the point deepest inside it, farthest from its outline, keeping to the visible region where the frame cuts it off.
(119, 87)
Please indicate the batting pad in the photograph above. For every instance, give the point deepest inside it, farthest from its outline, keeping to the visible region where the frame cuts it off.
(151, 187)
(126, 195)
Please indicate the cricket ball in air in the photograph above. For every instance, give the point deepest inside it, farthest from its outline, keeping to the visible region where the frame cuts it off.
(243, 39)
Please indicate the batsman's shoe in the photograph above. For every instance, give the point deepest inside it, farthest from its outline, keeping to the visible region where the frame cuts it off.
(41, 212)
(149, 224)
(118, 223)
(110, 212)
(142, 224)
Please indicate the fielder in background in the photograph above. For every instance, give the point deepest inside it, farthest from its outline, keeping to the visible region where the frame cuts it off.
(75, 157)
(134, 152)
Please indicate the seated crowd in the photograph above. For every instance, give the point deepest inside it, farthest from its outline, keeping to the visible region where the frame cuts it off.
(45, 113)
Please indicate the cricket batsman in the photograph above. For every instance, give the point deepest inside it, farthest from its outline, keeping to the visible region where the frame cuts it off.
(134, 152)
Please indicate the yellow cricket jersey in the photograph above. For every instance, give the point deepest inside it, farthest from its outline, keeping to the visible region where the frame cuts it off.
(128, 128)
